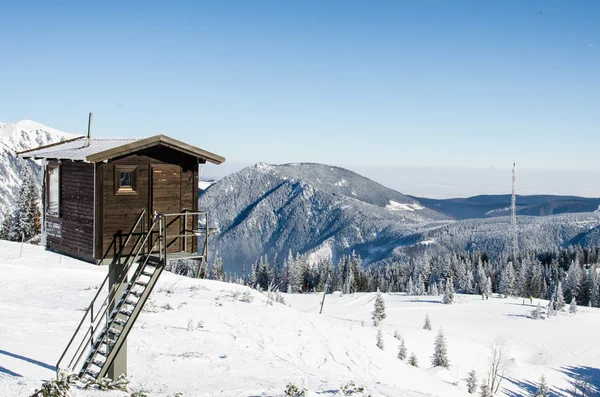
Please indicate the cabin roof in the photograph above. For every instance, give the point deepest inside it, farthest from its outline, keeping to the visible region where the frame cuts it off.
(101, 149)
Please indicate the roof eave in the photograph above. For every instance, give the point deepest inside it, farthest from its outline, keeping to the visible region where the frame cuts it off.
(155, 141)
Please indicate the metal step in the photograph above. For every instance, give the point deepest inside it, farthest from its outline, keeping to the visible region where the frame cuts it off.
(140, 282)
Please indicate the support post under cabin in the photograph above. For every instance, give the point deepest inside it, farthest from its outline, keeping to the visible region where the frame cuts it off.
(117, 280)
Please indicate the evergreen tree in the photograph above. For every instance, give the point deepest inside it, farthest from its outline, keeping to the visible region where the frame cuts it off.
(379, 309)
(572, 283)
(472, 382)
(264, 273)
(379, 338)
(397, 335)
(560, 300)
(25, 221)
(543, 389)
(573, 306)
(410, 288)
(216, 272)
(593, 286)
(488, 287)
(427, 324)
(449, 292)
(440, 354)
(253, 275)
(6, 226)
(413, 360)
(507, 281)
(402, 350)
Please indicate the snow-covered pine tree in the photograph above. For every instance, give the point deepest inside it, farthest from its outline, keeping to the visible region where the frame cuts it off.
(543, 389)
(379, 309)
(481, 278)
(397, 335)
(410, 288)
(507, 280)
(573, 280)
(379, 338)
(264, 273)
(535, 314)
(488, 287)
(6, 226)
(402, 350)
(427, 324)
(472, 382)
(433, 289)
(300, 272)
(440, 352)
(448, 292)
(25, 223)
(573, 306)
(413, 360)
(560, 299)
(216, 271)
(593, 286)
(253, 278)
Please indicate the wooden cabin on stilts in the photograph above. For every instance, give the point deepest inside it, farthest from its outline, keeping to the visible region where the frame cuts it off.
(131, 204)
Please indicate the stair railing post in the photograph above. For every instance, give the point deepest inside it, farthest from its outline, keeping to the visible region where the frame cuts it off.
(92, 324)
(185, 232)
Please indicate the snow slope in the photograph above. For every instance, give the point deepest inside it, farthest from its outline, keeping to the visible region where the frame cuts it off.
(242, 349)
(16, 137)
(249, 349)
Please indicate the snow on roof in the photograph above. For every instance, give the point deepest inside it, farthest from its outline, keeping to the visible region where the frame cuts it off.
(76, 149)
(105, 149)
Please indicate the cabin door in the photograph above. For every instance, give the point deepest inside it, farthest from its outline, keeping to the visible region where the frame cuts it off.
(166, 199)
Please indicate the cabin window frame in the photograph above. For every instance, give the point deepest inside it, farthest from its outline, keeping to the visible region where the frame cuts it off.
(49, 169)
(129, 189)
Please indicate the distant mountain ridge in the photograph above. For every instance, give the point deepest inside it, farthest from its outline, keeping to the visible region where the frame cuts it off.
(328, 211)
(16, 137)
(268, 209)
(487, 206)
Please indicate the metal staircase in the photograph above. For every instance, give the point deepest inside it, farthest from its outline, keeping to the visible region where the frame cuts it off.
(112, 313)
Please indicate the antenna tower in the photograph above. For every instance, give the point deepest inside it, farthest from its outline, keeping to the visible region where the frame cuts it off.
(513, 214)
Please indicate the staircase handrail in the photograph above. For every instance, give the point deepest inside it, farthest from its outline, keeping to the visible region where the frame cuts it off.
(90, 307)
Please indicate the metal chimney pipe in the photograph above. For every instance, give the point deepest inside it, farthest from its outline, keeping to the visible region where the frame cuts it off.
(89, 135)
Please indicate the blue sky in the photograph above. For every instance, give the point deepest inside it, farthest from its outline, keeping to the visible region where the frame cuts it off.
(474, 84)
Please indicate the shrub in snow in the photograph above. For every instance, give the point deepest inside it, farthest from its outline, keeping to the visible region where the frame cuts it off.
(543, 390)
(379, 339)
(472, 382)
(292, 390)
(108, 384)
(379, 309)
(279, 298)
(413, 360)
(427, 324)
(573, 306)
(57, 387)
(485, 391)
(351, 388)
(246, 297)
(440, 353)
(397, 335)
(168, 306)
(402, 350)
(139, 394)
(449, 292)
(535, 314)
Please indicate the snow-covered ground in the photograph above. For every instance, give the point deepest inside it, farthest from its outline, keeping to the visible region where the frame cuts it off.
(203, 339)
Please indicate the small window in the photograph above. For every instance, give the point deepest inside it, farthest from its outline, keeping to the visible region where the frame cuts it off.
(125, 179)
(53, 191)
